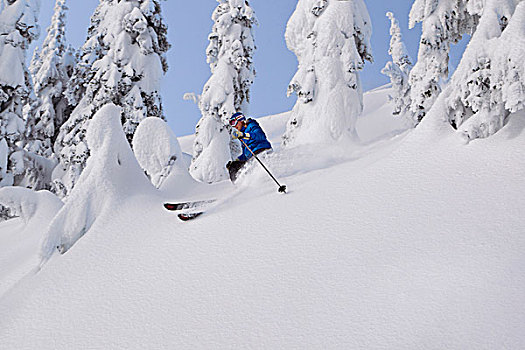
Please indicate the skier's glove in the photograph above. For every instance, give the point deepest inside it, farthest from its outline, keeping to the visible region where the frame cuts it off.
(236, 134)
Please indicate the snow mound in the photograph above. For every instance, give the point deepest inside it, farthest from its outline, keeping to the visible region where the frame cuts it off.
(157, 149)
(212, 146)
(111, 175)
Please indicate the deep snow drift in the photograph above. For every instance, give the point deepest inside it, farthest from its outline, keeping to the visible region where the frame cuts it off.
(413, 240)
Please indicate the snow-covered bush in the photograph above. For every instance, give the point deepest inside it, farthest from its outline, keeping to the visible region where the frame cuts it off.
(111, 175)
(28, 204)
(157, 149)
(488, 84)
(444, 22)
(398, 69)
(229, 54)
(36, 171)
(18, 28)
(121, 62)
(331, 40)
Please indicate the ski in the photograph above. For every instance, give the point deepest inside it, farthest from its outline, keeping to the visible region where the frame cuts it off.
(189, 216)
(189, 210)
(187, 205)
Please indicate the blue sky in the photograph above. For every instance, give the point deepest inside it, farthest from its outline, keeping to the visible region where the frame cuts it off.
(189, 23)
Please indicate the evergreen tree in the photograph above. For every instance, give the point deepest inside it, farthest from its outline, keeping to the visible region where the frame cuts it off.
(488, 84)
(444, 22)
(229, 55)
(121, 62)
(398, 69)
(331, 40)
(18, 28)
(50, 69)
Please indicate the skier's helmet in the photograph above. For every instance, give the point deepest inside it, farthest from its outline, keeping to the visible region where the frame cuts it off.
(236, 117)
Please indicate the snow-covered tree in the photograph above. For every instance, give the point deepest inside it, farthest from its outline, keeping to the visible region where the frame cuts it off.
(488, 84)
(121, 62)
(444, 22)
(51, 69)
(511, 59)
(229, 55)
(398, 69)
(331, 40)
(18, 28)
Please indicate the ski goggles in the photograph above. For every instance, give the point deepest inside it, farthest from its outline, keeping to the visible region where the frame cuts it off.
(237, 119)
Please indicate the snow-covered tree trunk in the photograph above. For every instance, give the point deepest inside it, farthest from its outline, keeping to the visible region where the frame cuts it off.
(398, 69)
(18, 28)
(121, 62)
(443, 23)
(331, 40)
(229, 54)
(488, 84)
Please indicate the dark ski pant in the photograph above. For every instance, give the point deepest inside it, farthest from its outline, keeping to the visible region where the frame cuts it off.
(235, 166)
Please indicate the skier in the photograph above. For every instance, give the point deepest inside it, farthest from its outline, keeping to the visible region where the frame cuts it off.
(253, 141)
(252, 136)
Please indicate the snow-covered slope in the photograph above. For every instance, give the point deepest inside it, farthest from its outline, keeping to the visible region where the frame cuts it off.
(21, 238)
(412, 241)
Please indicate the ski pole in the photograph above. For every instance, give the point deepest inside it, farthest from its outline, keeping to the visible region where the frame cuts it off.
(282, 188)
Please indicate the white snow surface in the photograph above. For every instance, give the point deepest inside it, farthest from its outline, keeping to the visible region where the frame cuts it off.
(20, 239)
(411, 240)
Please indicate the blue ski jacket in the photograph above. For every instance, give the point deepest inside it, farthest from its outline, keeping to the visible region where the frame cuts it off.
(255, 138)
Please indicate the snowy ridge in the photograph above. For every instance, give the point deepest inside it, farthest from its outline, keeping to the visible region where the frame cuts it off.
(409, 241)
